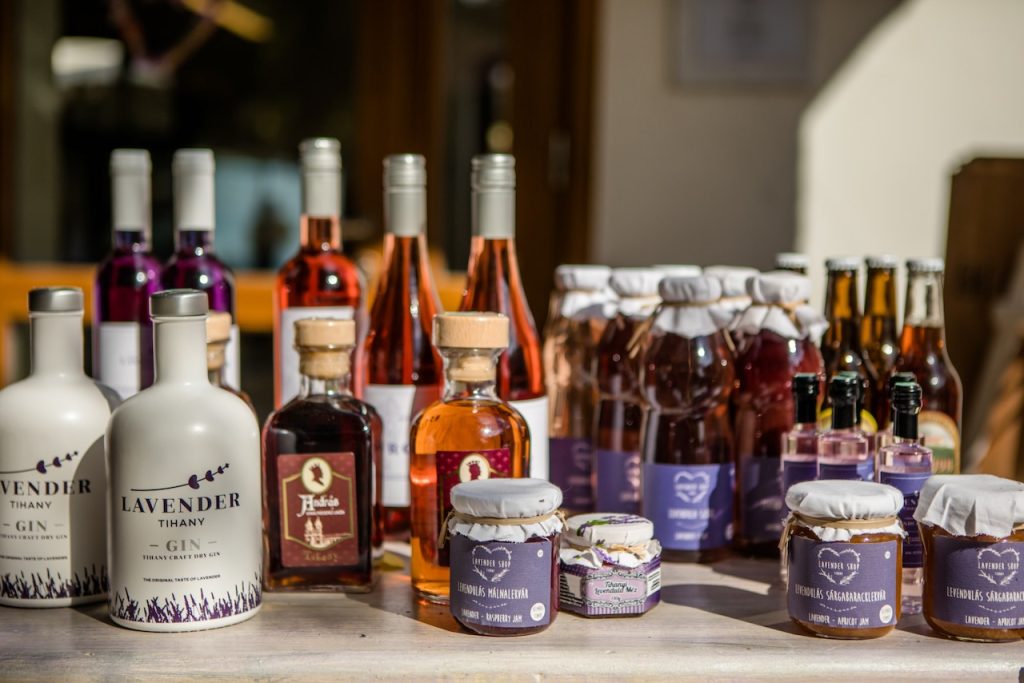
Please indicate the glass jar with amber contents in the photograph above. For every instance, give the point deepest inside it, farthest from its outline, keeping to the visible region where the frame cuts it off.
(843, 542)
(503, 537)
(972, 528)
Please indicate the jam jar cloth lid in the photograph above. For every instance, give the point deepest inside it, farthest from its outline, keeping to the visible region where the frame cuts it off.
(508, 510)
(599, 538)
(636, 290)
(584, 290)
(734, 299)
(687, 304)
(971, 504)
(779, 304)
(838, 510)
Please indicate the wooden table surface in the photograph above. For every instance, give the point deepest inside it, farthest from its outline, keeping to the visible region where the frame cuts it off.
(723, 621)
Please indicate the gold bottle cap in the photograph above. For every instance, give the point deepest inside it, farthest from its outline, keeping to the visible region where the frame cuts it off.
(218, 327)
(325, 332)
(471, 330)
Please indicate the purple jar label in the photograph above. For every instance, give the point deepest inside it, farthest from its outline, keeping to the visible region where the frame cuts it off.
(690, 505)
(865, 469)
(909, 485)
(843, 585)
(618, 481)
(977, 584)
(609, 590)
(501, 585)
(796, 471)
(761, 497)
(570, 471)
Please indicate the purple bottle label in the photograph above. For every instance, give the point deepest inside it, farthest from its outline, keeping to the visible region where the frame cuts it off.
(501, 585)
(977, 584)
(761, 497)
(796, 471)
(843, 585)
(570, 471)
(865, 469)
(690, 505)
(910, 485)
(618, 481)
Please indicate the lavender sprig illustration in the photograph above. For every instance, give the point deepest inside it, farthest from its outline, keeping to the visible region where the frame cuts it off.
(190, 607)
(194, 481)
(44, 466)
(37, 587)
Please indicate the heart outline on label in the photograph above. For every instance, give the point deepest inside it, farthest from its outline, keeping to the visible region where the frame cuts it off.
(691, 487)
(490, 574)
(838, 577)
(997, 577)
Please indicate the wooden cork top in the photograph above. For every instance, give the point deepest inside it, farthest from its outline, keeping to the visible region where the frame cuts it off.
(218, 327)
(471, 330)
(325, 332)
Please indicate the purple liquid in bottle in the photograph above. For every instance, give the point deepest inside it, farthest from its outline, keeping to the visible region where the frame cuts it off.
(195, 266)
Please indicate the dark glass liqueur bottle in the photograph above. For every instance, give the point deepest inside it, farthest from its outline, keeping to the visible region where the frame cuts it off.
(493, 284)
(320, 454)
(879, 335)
(122, 331)
(193, 264)
(841, 346)
(402, 368)
(923, 352)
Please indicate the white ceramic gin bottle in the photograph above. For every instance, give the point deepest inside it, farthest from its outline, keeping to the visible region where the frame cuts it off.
(53, 544)
(185, 501)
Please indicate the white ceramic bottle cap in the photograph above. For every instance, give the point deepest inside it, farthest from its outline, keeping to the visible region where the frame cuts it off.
(588, 278)
(791, 259)
(609, 528)
(55, 300)
(179, 303)
(218, 327)
(699, 289)
(843, 263)
(320, 159)
(882, 262)
(405, 194)
(193, 189)
(971, 504)
(325, 333)
(471, 330)
(841, 499)
(733, 278)
(130, 187)
(506, 498)
(926, 265)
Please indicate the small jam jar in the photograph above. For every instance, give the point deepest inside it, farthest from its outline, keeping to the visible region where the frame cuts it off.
(503, 537)
(972, 528)
(611, 566)
(843, 542)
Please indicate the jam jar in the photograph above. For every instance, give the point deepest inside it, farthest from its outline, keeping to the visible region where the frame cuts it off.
(843, 542)
(972, 528)
(610, 566)
(503, 537)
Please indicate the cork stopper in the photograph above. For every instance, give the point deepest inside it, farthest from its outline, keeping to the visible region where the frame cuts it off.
(471, 330)
(218, 327)
(324, 346)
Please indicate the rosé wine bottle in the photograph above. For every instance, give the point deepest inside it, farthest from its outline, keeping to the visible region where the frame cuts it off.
(844, 451)
(906, 464)
(122, 330)
(193, 264)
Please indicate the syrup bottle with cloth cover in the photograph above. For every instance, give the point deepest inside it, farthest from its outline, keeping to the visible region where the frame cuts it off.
(779, 330)
(570, 353)
(735, 297)
(688, 376)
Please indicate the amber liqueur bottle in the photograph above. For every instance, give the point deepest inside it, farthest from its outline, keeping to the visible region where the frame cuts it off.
(620, 407)
(841, 347)
(469, 434)
(923, 352)
(402, 368)
(319, 471)
(319, 280)
(493, 284)
(879, 336)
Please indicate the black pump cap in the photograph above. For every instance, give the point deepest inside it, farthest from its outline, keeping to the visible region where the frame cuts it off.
(897, 377)
(844, 388)
(906, 396)
(805, 394)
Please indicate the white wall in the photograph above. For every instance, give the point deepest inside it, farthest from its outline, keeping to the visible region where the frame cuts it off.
(939, 82)
(700, 174)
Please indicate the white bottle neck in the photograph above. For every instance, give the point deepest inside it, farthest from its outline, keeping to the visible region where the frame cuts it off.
(321, 192)
(494, 213)
(180, 345)
(131, 205)
(56, 343)
(193, 201)
(405, 211)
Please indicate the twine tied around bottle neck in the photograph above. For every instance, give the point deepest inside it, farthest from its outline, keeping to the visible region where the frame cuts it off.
(493, 521)
(797, 519)
(788, 307)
